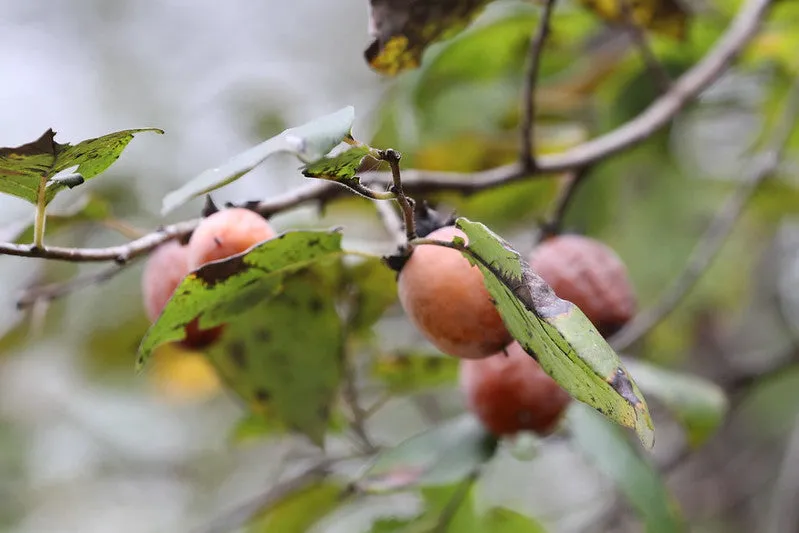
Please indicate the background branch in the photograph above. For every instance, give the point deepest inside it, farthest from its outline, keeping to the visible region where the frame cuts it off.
(526, 148)
(717, 231)
(657, 115)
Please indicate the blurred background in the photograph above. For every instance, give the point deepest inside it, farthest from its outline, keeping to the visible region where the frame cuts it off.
(87, 446)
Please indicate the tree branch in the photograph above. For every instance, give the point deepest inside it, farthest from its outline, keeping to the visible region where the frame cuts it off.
(657, 115)
(653, 65)
(717, 231)
(526, 150)
(53, 291)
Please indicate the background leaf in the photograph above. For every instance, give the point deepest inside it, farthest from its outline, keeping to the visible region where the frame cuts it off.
(23, 168)
(607, 448)
(438, 456)
(557, 333)
(371, 289)
(403, 30)
(90, 208)
(309, 142)
(408, 372)
(697, 403)
(466, 518)
(299, 511)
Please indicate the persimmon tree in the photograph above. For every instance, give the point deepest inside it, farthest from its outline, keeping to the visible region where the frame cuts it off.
(542, 342)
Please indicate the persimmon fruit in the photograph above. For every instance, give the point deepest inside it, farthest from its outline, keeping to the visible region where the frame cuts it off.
(446, 299)
(225, 233)
(589, 274)
(509, 392)
(165, 269)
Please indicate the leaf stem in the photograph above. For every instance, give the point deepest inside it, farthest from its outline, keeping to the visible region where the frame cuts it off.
(41, 214)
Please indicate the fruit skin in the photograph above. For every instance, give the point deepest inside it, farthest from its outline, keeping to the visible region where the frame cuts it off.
(512, 393)
(165, 269)
(589, 274)
(225, 233)
(445, 298)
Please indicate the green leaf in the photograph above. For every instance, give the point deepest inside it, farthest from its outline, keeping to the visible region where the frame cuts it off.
(340, 167)
(284, 355)
(403, 30)
(299, 511)
(466, 519)
(224, 290)
(557, 333)
(607, 448)
(697, 403)
(372, 289)
(308, 142)
(90, 208)
(26, 169)
(408, 372)
(438, 456)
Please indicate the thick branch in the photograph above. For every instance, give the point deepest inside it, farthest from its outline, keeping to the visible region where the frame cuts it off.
(717, 231)
(526, 151)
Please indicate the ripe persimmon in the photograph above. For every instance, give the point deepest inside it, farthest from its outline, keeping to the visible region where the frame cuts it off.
(225, 233)
(509, 392)
(589, 274)
(446, 298)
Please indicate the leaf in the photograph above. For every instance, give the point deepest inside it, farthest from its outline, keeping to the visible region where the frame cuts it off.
(224, 290)
(26, 168)
(557, 333)
(638, 479)
(308, 142)
(438, 456)
(299, 511)
(403, 373)
(90, 208)
(372, 289)
(340, 167)
(284, 355)
(403, 29)
(466, 519)
(666, 17)
(697, 403)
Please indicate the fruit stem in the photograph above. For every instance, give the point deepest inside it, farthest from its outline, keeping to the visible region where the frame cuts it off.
(392, 157)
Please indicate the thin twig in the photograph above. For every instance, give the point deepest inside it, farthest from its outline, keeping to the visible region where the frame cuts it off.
(717, 231)
(405, 203)
(554, 224)
(537, 40)
(454, 503)
(238, 516)
(659, 74)
(656, 116)
(351, 397)
(784, 514)
(53, 291)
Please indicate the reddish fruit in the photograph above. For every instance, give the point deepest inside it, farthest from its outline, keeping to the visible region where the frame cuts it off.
(445, 298)
(165, 269)
(511, 393)
(225, 233)
(590, 275)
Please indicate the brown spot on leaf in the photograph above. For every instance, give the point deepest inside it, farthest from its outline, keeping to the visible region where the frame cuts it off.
(218, 272)
(238, 354)
(262, 395)
(622, 384)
